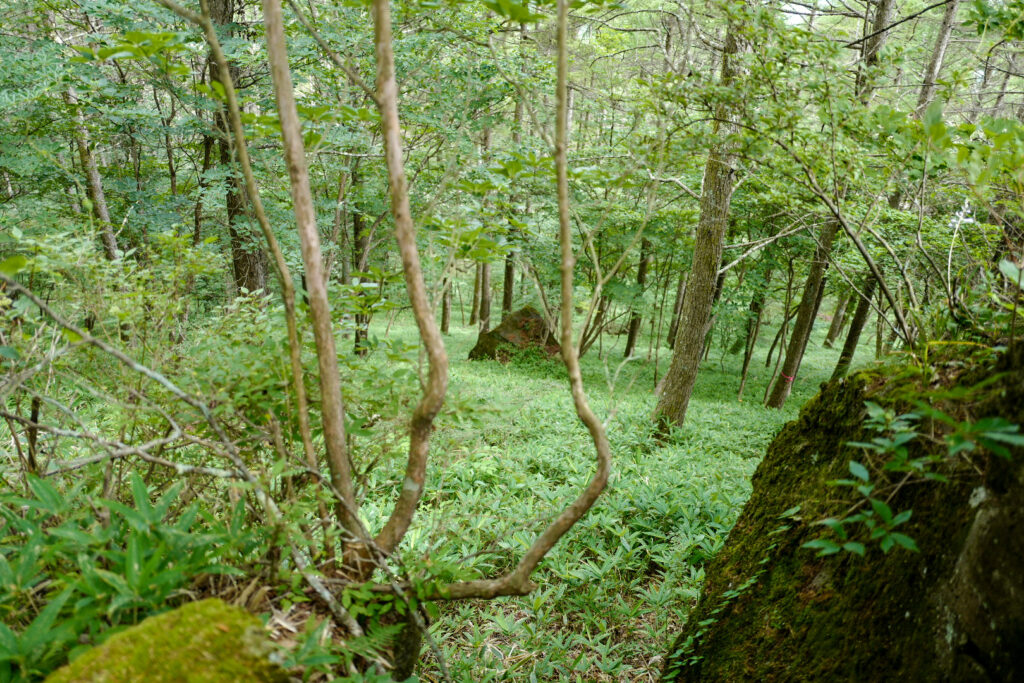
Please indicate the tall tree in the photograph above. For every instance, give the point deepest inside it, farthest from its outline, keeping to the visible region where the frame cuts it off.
(247, 260)
(715, 200)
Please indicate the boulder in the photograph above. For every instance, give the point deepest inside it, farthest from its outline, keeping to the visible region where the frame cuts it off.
(772, 610)
(523, 329)
(201, 642)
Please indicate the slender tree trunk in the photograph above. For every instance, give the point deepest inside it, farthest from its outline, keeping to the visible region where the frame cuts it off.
(248, 264)
(872, 46)
(474, 311)
(485, 297)
(860, 317)
(332, 408)
(360, 262)
(339, 235)
(694, 321)
(168, 147)
(197, 230)
(446, 305)
(709, 337)
(879, 328)
(641, 281)
(931, 74)
(92, 178)
(838, 318)
(755, 311)
(508, 283)
(805, 316)
(677, 309)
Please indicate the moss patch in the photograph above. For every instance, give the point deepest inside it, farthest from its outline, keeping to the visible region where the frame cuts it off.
(772, 611)
(201, 642)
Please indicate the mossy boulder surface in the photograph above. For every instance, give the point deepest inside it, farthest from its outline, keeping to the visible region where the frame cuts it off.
(773, 611)
(201, 642)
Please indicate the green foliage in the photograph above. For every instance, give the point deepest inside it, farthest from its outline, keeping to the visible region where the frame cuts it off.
(72, 574)
(872, 519)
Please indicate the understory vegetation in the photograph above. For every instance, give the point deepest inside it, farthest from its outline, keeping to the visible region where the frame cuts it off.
(247, 248)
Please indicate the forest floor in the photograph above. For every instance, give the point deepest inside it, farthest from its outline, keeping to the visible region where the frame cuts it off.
(613, 593)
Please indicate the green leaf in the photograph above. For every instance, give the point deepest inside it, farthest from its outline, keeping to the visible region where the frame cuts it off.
(9, 352)
(859, 471)
(934, 127)
(901, 518)
(47, 494)
(882, 510)
(887, 543)
(854, 547)
(905, 541)
(1011, 271)
(13, 265)
(836, 525)
(823, 546)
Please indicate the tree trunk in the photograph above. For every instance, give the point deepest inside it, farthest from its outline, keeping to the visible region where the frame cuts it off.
(805, 317)
(360, 262)
(931, 74)
(677, 309)
(641, 280)
(485, 297)
(339, 235)
(197, 231)
(879, 328)
(719, 287)
(92, 178)
(838, 318)
(756, 310)
(474, 311)
(446, 305)
(694, 320)
(860, 317)
(248, 264)
(508, 284)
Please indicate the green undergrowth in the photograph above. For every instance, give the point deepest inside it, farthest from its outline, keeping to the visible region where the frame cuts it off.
(616, 588)
(508, 453)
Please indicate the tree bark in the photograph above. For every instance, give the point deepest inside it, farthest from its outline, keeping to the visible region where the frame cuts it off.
(360, 262)
(695, 318)
(247, 262)
(474, 311)
(92, 178)
(931, 74)
(641, 280)
(838, 318)
(755, 311)
(332, 408)
(485, 297)
(805, 317)
(860, 317)
(677, 309)
(197, 231)
(446, 305)
(508, 283)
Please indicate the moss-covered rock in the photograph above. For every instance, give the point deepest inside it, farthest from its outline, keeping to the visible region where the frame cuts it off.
(201, 642)
(523, 329)
(773, 611)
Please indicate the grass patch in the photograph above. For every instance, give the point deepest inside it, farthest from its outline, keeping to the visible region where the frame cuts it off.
(616, 588)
